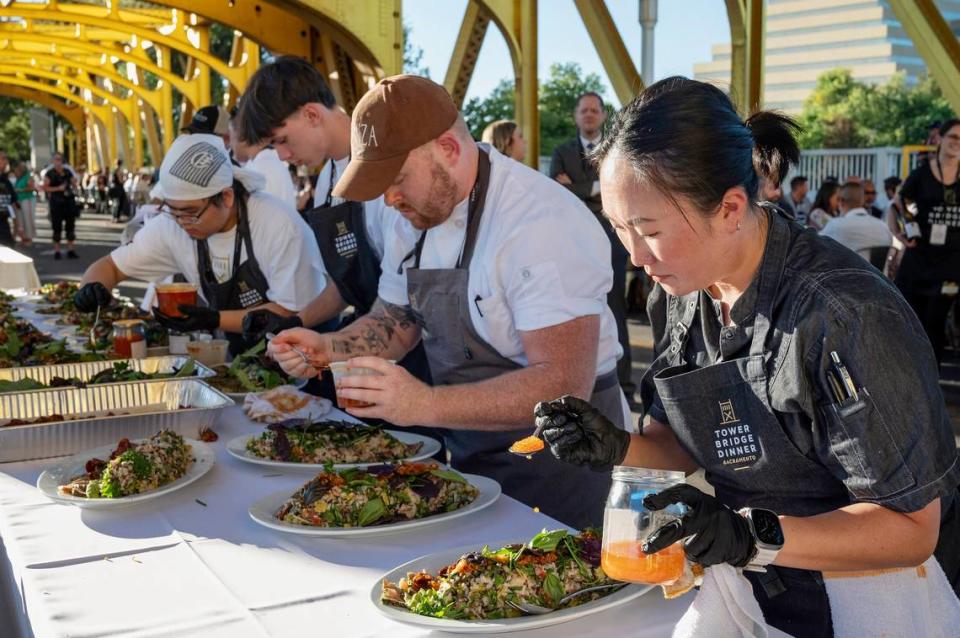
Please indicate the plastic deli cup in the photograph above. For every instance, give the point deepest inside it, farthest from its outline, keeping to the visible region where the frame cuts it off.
(341, 369)
(171, 296)
(212, 352)
(627, 523)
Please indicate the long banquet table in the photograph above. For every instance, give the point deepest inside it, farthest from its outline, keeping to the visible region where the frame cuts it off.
(176, 567)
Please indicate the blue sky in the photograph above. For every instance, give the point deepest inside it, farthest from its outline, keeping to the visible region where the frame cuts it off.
(685, 31)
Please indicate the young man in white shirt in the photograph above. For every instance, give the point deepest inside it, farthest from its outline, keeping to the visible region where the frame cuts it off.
(503, 276)
(288, 105)
(856, 228)
(242, 248)
(264, 160)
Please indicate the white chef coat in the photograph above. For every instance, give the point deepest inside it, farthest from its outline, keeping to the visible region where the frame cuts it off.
(859, 231)
(283, 245)
(541, 259)
(378, 218)
(275, 170)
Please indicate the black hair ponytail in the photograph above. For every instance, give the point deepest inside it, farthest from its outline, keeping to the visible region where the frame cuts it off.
(774, 144)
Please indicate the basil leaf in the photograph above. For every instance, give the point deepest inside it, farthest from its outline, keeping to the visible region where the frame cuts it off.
(547, 541)
(449, 475)
(188, 369)
(373, 511)
(553, 588)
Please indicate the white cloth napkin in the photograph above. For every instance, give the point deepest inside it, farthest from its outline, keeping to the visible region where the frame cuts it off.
(903, 602)
(284, 402)
(725, 608)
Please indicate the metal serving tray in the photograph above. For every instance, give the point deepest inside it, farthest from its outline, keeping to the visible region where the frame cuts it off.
(141, 409)
(86, 369)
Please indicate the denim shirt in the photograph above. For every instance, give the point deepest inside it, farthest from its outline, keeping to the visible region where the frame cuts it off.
(897, 449)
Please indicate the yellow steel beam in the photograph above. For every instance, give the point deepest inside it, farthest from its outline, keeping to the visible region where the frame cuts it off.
(202, 70)
(150, 127)
(372, 34)
(517, 20)
(755, 21)
(72, 113)
(51, 62)
(611, 49)
(121, 104)
(738, 49)
(64, 46)
(473, 28)
(99, 111)
(142, 16)
(935, 41)
(51, 11)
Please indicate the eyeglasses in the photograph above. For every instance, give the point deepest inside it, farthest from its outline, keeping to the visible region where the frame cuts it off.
(184, 220)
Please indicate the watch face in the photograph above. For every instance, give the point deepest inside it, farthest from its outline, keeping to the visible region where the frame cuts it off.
(767, 526)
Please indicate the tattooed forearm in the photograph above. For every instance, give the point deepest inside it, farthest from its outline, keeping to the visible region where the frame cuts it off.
(386, 329)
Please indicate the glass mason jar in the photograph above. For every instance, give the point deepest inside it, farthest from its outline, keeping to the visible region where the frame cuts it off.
(130, 338)
(627, 523)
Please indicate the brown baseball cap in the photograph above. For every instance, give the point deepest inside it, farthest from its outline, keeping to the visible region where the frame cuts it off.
(399, 114)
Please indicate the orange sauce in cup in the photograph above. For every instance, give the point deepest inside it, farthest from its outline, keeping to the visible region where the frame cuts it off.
(625, 560)
(171, 296)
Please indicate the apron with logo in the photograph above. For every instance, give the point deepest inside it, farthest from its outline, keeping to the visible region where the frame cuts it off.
(247, 287)
(458, 354)
(721, 415)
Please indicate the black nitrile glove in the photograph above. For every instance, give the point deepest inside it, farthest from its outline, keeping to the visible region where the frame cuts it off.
(91, 296)
(257, 323)
(717, 534)
(197, 318)
(577, 433)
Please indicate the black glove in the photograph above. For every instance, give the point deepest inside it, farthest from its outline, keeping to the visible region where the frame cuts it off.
(257, 323)
(716, 533)
(196, 318)
(577, 433)
(91, 296)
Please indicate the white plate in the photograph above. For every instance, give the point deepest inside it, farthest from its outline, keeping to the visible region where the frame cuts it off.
(238, 448)
(74, 466)
(434, 562)
(263, 512)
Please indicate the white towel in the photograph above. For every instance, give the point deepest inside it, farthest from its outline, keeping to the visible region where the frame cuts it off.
(725, 608)
(894, 602)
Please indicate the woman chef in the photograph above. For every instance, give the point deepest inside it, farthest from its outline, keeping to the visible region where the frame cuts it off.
(243, 248)
(786, 367)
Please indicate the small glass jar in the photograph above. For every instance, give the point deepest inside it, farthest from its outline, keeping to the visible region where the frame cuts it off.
(130, 338)
(627, 524)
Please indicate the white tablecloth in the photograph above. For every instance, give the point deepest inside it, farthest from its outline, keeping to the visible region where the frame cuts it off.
(173, 567)
(17, 271)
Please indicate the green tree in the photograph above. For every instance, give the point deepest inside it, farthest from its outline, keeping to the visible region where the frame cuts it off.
(557, 99)
(412, 55)
(479, 113)
(842, 112)
(15, 128)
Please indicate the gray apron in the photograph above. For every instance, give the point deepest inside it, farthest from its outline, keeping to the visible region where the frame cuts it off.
(458, 354)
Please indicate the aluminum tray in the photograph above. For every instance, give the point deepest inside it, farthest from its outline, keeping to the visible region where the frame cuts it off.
(151, 405)
(86, 369)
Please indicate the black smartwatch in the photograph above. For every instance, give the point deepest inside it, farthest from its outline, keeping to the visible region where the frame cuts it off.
(767, 532)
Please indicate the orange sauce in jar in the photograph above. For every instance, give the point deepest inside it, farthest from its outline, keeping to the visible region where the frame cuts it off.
(126, 333)
(171, 296)
(625, 560)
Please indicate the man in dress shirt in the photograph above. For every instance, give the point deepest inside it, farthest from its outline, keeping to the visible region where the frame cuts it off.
(856, 228)
(500, 272)
(571, 168)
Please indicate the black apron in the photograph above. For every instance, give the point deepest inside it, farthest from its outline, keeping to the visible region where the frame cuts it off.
(458, 354)
(246, 287)
(722, 416)
(347, 255)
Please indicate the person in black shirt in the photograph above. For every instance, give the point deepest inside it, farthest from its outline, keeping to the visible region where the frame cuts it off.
(8, 201)
(930, 270)
(60, 185)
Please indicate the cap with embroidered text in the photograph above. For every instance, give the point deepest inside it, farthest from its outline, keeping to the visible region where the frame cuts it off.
(399, 114)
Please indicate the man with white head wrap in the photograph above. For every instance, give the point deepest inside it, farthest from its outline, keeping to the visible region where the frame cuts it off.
(244, 249)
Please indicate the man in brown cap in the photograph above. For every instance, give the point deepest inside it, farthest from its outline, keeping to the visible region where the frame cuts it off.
(503, 277)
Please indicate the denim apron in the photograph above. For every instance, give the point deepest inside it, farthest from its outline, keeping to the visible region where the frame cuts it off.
(721, 415)
(458, 354)
(247, 287)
